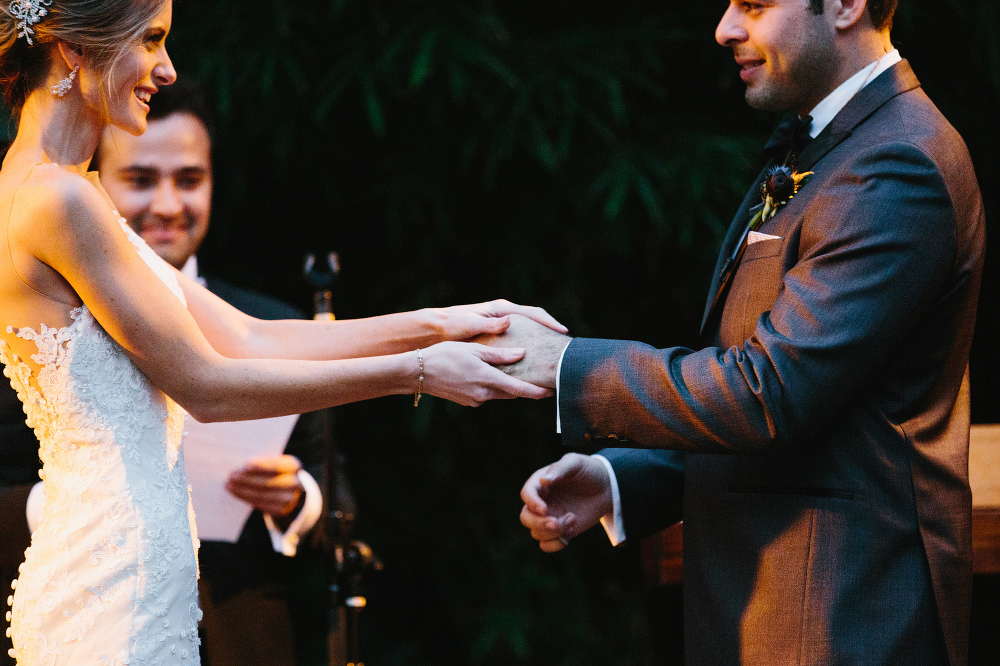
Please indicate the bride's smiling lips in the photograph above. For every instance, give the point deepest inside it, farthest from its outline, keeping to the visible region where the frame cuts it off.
(144, 94)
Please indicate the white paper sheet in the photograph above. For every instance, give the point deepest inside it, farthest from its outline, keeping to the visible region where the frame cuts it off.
(213, 451)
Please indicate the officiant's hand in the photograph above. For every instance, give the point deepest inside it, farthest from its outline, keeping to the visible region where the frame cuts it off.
(543, 347)
(270, 484)
(565, 499)
(461, 322)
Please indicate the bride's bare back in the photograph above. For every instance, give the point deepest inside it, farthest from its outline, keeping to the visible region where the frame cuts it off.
(33, 293)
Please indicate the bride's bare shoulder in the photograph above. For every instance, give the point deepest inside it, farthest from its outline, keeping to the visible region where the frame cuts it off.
(51, 195)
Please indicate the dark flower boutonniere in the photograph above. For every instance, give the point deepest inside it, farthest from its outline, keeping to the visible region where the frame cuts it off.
(781, 184)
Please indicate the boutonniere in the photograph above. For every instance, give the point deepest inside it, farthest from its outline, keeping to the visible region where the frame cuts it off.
(781, 184)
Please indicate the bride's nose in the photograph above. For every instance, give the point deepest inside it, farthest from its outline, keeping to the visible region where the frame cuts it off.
(164, 73)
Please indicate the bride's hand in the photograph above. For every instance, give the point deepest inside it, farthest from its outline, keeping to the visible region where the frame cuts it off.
(463, 372)
(461, 322)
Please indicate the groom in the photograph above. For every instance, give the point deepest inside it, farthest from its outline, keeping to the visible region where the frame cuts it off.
(816, 446)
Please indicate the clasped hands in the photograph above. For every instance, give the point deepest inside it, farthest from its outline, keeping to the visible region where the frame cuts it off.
(509, 351)
(570, 496)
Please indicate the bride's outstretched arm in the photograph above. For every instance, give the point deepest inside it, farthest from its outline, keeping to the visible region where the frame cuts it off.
(237, 335)
(74, 232)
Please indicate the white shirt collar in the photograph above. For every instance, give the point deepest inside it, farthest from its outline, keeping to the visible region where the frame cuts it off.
(831, 105)
(190, 268)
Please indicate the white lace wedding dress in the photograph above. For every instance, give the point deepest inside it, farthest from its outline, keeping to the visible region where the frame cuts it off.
(110, 577)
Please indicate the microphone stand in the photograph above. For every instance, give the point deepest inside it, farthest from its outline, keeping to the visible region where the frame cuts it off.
(348, 559)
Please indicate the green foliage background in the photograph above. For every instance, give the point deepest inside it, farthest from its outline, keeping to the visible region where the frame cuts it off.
(584, 156)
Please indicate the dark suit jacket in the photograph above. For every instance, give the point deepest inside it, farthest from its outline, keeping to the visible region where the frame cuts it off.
(19, 467)
(821, 436)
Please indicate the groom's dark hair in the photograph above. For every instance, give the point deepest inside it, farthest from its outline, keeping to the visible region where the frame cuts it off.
(881, 11)
(182, 96)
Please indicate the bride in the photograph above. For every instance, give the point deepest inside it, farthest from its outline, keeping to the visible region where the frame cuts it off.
(106, 344)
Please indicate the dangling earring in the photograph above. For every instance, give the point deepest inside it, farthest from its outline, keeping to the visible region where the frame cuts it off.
(66, 84)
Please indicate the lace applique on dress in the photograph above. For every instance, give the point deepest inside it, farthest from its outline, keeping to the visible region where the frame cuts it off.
(111, 575)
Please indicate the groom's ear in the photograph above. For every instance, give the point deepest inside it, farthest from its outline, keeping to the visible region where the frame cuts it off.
(849, 13)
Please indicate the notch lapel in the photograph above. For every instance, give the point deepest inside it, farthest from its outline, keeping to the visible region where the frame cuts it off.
(729, 244)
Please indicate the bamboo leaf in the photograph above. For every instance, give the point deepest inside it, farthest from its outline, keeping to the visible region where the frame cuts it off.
(422, 64)
(376, 113)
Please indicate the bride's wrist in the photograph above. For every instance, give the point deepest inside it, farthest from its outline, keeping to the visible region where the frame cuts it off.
(433, 325)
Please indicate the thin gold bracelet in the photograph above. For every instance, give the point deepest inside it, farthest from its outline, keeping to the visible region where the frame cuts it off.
(420, 379)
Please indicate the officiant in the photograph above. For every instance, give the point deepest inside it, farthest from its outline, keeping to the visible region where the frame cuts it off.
(254, 591)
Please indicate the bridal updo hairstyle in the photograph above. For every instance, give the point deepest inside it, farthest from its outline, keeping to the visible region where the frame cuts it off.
(104, 29)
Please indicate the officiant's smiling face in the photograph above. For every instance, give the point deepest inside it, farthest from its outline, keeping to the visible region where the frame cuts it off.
(161, 182)
(786, 52)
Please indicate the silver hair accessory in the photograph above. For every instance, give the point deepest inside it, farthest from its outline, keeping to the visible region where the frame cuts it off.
(66, 84)
(28, 13)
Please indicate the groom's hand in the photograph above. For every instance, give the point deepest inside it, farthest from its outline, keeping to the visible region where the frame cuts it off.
(564, 499)
(543, 349)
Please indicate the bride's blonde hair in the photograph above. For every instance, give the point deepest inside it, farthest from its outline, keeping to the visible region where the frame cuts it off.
(104, 29)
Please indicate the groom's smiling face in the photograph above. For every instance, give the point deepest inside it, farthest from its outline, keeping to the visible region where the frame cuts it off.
(786, 52)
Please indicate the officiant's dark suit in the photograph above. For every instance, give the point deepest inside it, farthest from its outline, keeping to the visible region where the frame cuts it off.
(819, 440)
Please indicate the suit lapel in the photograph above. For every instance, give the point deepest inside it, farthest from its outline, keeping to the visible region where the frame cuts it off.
(894, 81)
(732, 240)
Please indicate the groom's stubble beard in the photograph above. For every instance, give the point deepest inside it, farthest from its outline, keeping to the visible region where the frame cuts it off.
(805, 80)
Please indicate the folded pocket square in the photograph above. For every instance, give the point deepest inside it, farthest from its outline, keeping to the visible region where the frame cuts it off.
(756, 237)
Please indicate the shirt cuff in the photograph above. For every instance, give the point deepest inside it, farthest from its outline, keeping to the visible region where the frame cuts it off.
(35, 505)
(612, 522)
(558, 374)
(287, 543)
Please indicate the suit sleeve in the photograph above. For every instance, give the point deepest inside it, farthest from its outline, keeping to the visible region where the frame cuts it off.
(877, 253)
(650, 488)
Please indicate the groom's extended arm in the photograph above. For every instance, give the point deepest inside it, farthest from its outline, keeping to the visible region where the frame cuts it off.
(878, 278)
(578, 489)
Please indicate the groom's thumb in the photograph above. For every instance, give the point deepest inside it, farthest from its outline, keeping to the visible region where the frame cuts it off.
(498, 325)
(501, 355)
